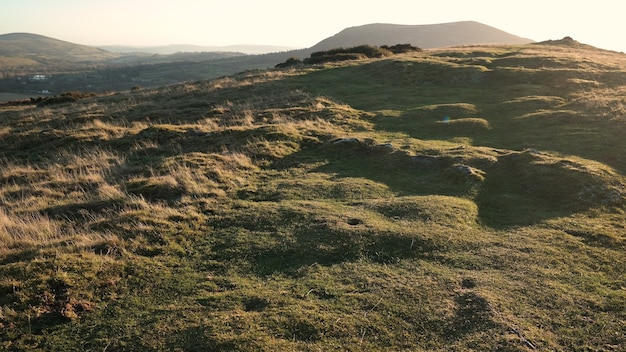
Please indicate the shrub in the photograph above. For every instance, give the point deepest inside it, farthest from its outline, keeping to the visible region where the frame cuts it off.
(292, 61)
(401, 48)
(367, 50)
(355, 53)
(341, 54)
(67, 97)
(334, 58)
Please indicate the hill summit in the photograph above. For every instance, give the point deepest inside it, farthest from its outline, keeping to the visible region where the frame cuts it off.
(423, 36)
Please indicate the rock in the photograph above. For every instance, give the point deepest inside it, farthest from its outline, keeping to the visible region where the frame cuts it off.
(347, 140)
(466, 170)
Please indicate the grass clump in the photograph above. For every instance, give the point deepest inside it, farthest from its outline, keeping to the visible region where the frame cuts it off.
(463, 126)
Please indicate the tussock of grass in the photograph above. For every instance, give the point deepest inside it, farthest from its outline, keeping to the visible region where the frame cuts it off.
(552, 115)
(537, 102)
(28, 230)
(158, 188)
(453, 110)
(463, 126)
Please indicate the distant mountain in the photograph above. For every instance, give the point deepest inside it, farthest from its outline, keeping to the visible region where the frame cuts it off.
(38, 49)
(186, 48)
(423, 36)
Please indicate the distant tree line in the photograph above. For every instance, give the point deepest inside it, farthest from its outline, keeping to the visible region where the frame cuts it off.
(354, 53)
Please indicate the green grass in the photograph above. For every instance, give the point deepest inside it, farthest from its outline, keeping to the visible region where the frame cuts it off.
(450, 200)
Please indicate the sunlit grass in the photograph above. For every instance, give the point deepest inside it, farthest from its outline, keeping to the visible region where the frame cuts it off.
(458, 199)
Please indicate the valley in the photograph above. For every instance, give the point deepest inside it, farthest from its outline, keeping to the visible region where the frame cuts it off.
(71, 67)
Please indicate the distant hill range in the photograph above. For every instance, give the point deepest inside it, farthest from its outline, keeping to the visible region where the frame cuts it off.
(423, 36)
(187, 48)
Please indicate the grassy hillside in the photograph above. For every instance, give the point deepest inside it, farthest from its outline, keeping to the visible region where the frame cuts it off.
(26, 52)
(69, 67)
(44, 49)
(452, 200)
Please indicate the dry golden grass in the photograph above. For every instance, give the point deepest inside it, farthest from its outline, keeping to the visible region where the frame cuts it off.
(28, 230)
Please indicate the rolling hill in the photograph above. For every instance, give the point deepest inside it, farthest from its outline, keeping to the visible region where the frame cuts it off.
(41, 50)
(456, 199)
(422, 36)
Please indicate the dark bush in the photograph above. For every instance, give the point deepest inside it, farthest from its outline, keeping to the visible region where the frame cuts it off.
(341, 54)
(367, 50)
(334, 58)
(292, 61)
(401, 48)
(66, 97)
(371, 51)
(354, 53)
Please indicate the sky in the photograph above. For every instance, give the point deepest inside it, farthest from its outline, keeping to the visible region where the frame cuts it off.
(300, 24)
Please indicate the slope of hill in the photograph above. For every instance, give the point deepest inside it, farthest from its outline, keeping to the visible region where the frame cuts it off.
(45, 50)
(422, 36)
(457, 199)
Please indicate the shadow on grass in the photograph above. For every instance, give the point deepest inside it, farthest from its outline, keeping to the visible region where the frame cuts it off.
(402, 173)
(473, 314)
(287, 240)
(326, 246)
(521, 188)
(527, 188)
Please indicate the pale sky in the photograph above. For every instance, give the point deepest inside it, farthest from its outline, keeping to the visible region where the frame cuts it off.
(302, 24)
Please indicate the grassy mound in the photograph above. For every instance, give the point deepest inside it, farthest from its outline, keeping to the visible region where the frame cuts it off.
(526, 187)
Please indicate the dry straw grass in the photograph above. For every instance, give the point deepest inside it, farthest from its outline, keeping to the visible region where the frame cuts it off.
(27, 230)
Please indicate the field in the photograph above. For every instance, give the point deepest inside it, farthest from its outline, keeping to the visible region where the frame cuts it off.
(132, 72)
(6, 97)
(460, 199)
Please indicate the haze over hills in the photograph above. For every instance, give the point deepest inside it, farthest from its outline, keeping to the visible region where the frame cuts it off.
(423, 36)
(189, 48)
